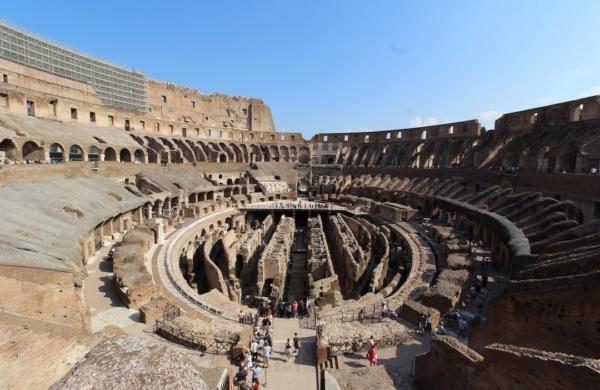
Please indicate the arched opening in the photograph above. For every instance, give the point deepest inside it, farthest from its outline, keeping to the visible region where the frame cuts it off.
(57, 153)
(93, 153)
(533, 118)
(75, 153)
(274, 153)
(9, 148)
(424, 134)
(255, 154)
(125, 155)
(31, 151)
(110, 154)
(222, 157)
(578, 113)
(138, 156)
(304, 155)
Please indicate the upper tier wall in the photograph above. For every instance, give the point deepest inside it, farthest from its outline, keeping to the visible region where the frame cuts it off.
(454, 129)
(559, 114)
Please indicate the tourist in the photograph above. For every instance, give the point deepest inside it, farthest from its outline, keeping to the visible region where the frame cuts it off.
(301, 308)
(296, 344)
(256, 371)
(241, 317)
(268, 339)
(440, 328)
(256, 385)
(266, 354)
(428, 326)
(372, 356)
(294, 309)
(361, 315)
(371, 343)
(288, 310)
(240, 378)
(254, 350)
(271, 323)
(288, 350)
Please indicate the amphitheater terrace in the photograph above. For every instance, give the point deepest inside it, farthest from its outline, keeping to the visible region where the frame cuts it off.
(148, 228)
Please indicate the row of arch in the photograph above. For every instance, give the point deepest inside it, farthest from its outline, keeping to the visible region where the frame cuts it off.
(439, 154)
(57, 153)
(162, 149)
(153, 151)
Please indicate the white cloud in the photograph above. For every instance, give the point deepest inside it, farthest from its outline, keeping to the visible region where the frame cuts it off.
(418, 121)
(357, 130)
(591, 91)
(545, 100)
(488, 118)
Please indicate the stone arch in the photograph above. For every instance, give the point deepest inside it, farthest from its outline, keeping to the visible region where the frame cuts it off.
(93, 153)
(31, 151)
(265, 153)
(198, 153)
(9, 148)
(167, 143)
(227, 149)
(125, 155)
(76, 153)
(293, 153)
(222, 157)
(139, 156)
(236, 152)
(304, 155)
(284, 153)
(244, 153)
(57, 153)
(204, 150)
(274, 153)
(255, 154)
(110, 154)
(186, 151)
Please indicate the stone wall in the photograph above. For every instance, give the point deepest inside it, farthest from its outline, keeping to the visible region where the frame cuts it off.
(272, 265)
(451, 365)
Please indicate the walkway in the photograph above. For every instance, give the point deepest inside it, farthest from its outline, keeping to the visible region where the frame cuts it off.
(300, 371)
(305, 205)
(105, 305)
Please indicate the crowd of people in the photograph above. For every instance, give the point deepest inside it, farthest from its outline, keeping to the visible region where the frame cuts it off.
(257, 357)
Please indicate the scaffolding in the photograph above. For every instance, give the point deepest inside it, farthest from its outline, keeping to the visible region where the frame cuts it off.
(114, 85)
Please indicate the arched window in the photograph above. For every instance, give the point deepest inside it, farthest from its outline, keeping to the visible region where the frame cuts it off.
(578, 113)
(125, 155)
(424, 134)
(93, 153)
(56, 153)
(533, 118)
(110, 154)
(75, 153)
(139, 156)
(451, 130)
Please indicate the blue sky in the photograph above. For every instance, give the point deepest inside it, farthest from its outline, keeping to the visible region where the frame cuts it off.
(335, 66)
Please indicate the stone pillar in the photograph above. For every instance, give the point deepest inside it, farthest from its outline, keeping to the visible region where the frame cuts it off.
(160, 231)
